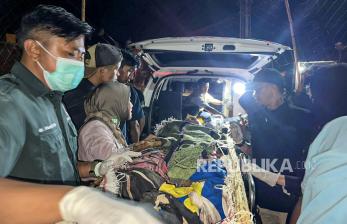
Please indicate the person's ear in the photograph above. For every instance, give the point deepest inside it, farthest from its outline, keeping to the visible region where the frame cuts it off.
(123, 69)
(32, 49)
(102, 70)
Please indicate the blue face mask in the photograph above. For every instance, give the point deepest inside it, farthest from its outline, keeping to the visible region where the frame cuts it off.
(67, 75)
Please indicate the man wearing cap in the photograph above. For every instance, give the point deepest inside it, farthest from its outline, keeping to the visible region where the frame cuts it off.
(102, 62)
(280, 134)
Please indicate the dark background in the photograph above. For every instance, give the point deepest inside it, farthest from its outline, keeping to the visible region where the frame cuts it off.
(319, 24)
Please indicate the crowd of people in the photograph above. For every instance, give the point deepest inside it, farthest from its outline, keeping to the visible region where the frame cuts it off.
(70, 116)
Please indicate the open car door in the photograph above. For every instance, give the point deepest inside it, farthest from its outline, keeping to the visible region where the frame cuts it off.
(241, 57)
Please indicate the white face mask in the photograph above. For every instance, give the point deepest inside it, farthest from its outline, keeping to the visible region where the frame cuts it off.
(67, 75)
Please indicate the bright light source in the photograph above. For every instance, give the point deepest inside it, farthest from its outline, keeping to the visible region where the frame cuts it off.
(304, 66)
(301, 67)
(239, 88)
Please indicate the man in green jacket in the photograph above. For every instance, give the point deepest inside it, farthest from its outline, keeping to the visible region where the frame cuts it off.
(37, 138)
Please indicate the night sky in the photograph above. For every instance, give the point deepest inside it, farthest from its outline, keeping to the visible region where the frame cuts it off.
(319, 24)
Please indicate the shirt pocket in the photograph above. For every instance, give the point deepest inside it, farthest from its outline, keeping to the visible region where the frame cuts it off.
(52, 150)
(51, 140)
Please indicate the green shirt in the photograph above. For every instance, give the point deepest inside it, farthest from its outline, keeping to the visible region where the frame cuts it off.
(37, 138)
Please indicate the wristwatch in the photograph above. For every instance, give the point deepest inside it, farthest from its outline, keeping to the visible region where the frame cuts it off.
(92, 172)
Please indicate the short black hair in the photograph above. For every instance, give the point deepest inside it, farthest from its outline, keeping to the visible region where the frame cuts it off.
(203, 81)
(129, 59)
(54, 20)
(270, 75)
(328, 86)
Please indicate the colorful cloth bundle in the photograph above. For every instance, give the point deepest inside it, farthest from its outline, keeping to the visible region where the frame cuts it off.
(193, 140)
(209, 193)
(206, 187)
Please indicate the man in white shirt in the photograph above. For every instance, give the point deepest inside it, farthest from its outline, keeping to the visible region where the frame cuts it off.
(202, 99)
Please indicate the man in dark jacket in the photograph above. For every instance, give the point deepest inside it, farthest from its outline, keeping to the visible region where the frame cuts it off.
(102, 62)
(280, 136)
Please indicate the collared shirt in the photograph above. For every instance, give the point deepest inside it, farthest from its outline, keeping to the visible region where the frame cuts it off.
(38, 141)
(74, 102)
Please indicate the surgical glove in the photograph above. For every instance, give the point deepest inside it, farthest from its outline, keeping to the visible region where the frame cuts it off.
(85, 205)
(115, 161)
(268, 177)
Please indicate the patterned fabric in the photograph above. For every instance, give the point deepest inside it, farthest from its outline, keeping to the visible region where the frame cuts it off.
(153, 161)
(137, 182)
(213, 176)
(183, 192)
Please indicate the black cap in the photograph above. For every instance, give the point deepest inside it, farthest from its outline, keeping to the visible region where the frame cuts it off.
(270, 75)
(100, 55)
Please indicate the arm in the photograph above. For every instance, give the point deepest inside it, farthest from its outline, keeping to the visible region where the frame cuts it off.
(27, 203)
(22, 202)
(211, 110)
(135, 131)
(96, 141)
(84, 168)
(290, 183)
(216, 102)
(296, 212)
(196, 100)
(281, 180)
(113, 162)
(12, 134)
(142, 123)
(213, 100)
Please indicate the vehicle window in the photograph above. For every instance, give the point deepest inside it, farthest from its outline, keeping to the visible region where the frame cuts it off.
(181, 97)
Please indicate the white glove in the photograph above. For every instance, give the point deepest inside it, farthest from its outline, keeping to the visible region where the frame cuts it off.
(268, 177)
(85, 205)
(115, 161)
